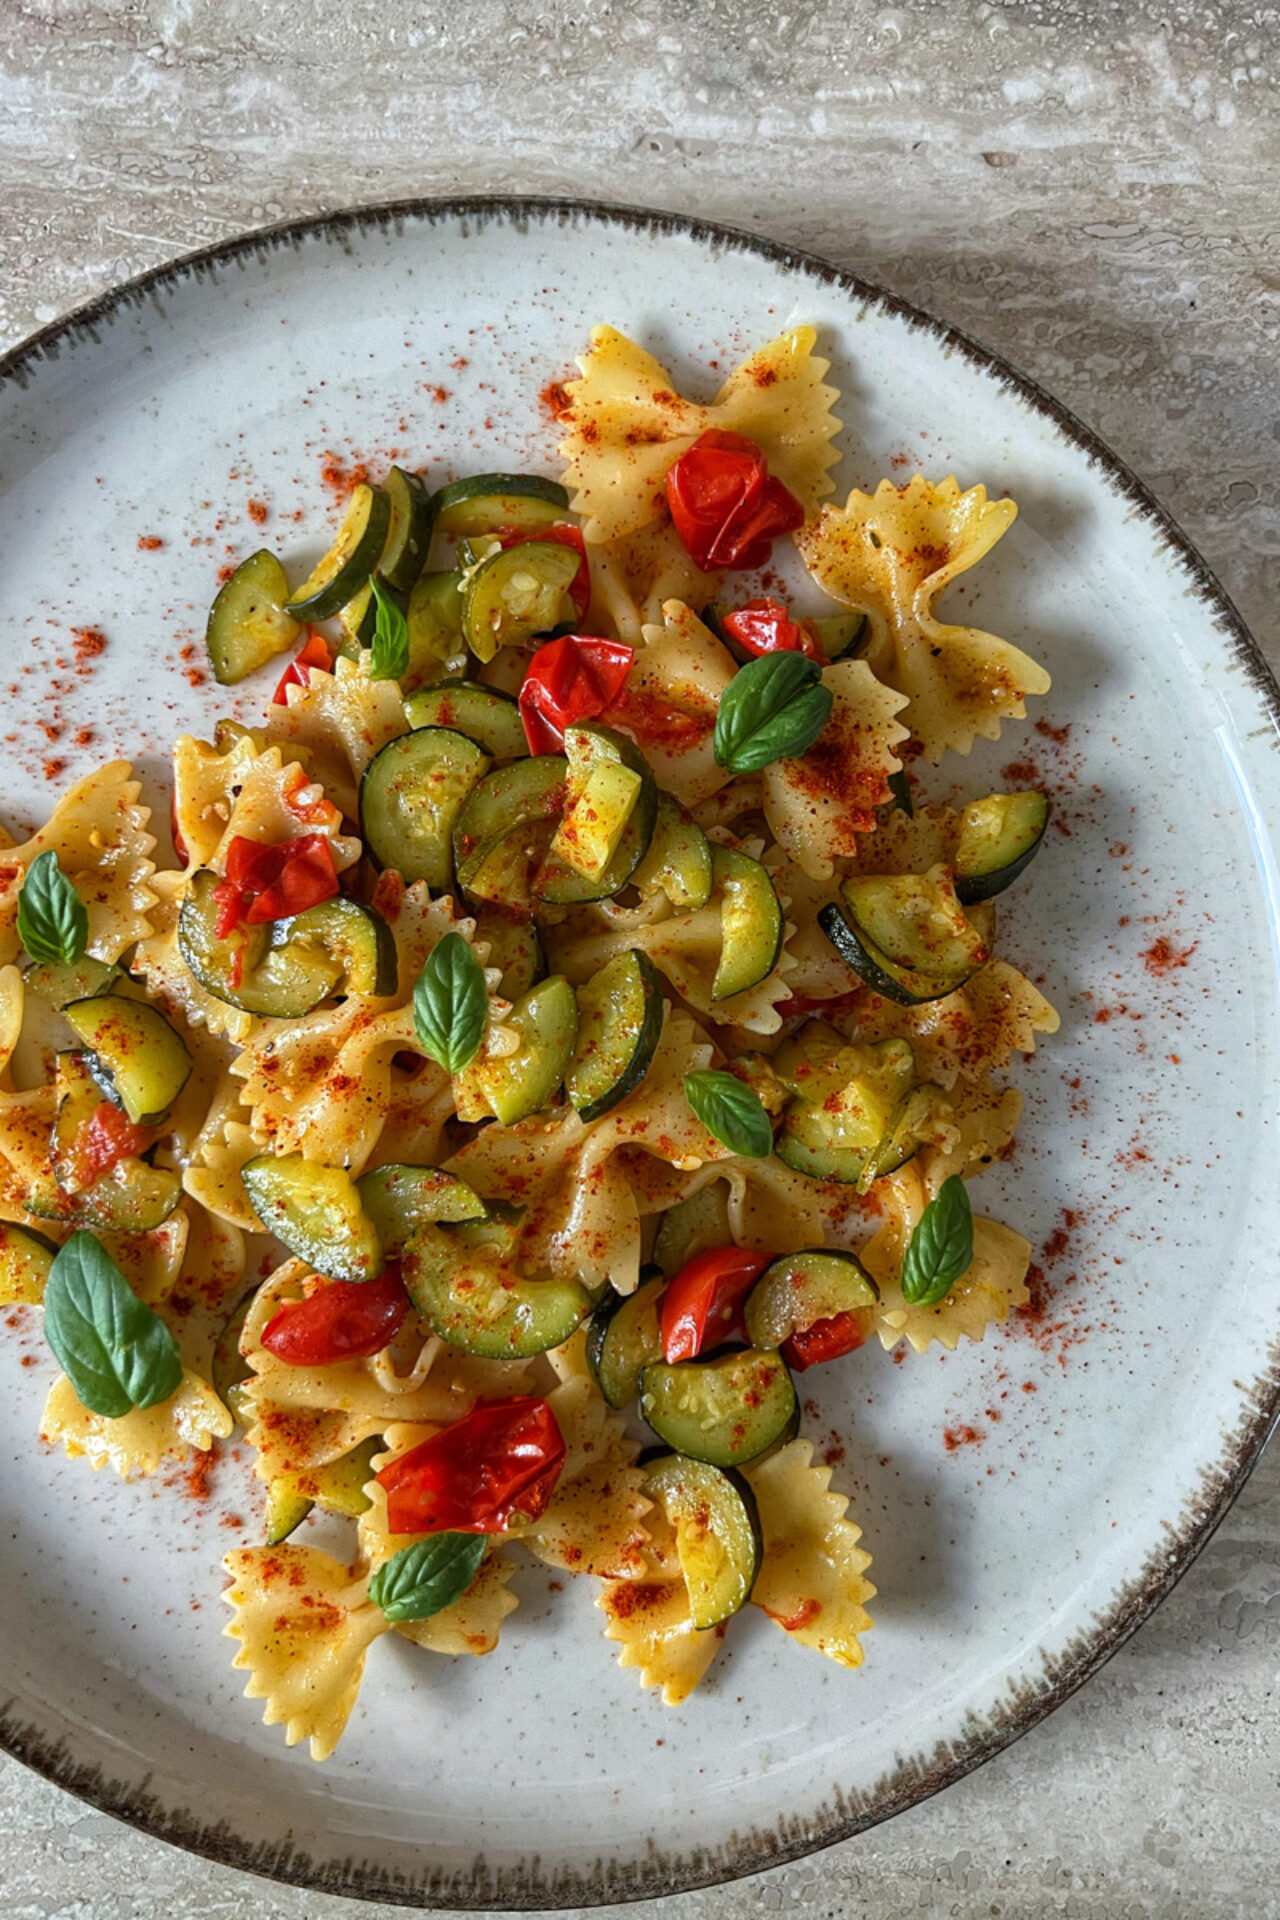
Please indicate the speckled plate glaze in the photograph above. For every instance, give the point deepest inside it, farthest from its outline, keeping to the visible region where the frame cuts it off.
(1026, 1502)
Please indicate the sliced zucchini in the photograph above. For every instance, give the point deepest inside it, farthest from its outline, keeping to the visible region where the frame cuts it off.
(25, 1260)
(134, 1054)
(412, 516)
(717, 1528)
(847, 1105)
(59, 982)
(915, 1120)
(471, 1299)
(905, 935)
(732, 1406)
(691, 1227)
(398, 1201)
(678, 862)
(410, 797)
(999, 838)
(350, 561)
(496, 502)
(286, 1509)
(131, 1197)
(614, 843)
(357, 937)
(336, 1487)
(802, 1288)
(359, 622)
(490, 718)
(517, 593)
(841, 634)
(623, 1339)
(435, 627)
(811, 1049)
(229, 1370)
(316, 1212)
(750, 923)
(514, 946)
(502, 833)
(900, 788)
(249, 622)
(619, 1025)
(287, 967)
(513, 1085)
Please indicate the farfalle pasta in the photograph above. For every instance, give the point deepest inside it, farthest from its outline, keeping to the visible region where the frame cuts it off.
(565, 1019)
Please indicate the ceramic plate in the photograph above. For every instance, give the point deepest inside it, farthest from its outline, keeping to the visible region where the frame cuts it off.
(1026, 1502)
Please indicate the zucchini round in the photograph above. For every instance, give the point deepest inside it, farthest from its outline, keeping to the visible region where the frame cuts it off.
(59, 982)
(712, 1512)
(691, 1227)
(412, 516)
(25, 1260)
(504, 828)
(316, 1212)
(285, 1511)
(905, 935)
(514, 946)
(725, 1409)
(435, 626)
(513, 1085)
(999, 838)
(350, 561)
(623, 1339)
(802, 1288)
(517, 593)
(606, 826)
(678, 862)
(750, 922)
(410, 797)
(133, 1053)
(248, 621)
(131, 1197)
(285, 969)
(841, 634)
(484, 1307)
(490, 718)
(399, 1201)
(229, 1370)
(619, 1025)
(498, 502)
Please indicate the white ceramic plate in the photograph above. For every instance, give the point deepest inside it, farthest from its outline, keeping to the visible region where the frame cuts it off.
(1084, 1465)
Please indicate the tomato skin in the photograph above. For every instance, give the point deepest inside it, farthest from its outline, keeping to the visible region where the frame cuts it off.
(825, 1340)
(725, 505)
(501, 1462)
(314, 653)
(763, 626)
(342, 1320)
(563, 534)
(570, 679)
(701, 1304)
(273, 882)
(107, 1137)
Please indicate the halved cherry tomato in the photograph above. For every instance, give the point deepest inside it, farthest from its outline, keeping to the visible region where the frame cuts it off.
(570, 679)
(107, 1137)
(314, 653)
(701, 1304)
(498, 1464)
(762, 626)
(563, 534)
(825, 1340)
(342, 1320)
(273, 882)
(726, 507)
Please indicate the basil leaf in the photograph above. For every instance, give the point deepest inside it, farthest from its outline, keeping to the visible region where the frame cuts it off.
(115, 1351)
(390, 651)
(772, 709)
(732, 1111)
(941, 1247)
(427, 1577)
(450, 1004)
(52, 921)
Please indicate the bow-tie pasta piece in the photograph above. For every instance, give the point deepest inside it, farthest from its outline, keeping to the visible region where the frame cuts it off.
(984, 1296)
(247, 788)
(99, 833)
(595, 1520)
(811, 1581)
(821, 803)
(472, 1624)
(338, 722)
(141, 1441)
(651, 1621)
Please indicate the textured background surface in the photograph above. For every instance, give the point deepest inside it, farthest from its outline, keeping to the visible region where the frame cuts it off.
(1092, 190)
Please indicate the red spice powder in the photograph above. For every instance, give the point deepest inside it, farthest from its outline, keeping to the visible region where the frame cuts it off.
(1060, 735)
(341, 479)
(1162, 957)
(196, 1477)
(258, 511)
(53, 768)
(90, 644)
(149, 542)
(955, 1437)
(554, 399)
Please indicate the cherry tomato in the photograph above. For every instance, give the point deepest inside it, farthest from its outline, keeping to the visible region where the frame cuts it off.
(726, 507)
(499, 1463)
(314, 653)
(701, 1303)
(570, 679)
(342, 1320)
(825, 1340)
(563, 535)
(273, 882)
(107, 1137)
(762, 626)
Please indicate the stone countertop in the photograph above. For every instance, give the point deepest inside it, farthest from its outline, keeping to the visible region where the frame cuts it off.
(1088, 188)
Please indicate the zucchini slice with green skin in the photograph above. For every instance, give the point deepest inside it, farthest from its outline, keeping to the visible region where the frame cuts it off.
(435, 627)
(712, 1512)
(285, 1511)
(316, 1212)
(131, 1197)
(490, 718)
(249, 622)
(621, 830)
(619, 1025)
(504, 828)
(691, 1227)
(516, 593)
(511, 1086)
(358, 621)
(999, 838)
(841, 634)
(286, 968)
(400, 1200)
(808, 1051)
(412, 518)
(483, 1307)
(725, 1409)
(905, 935)
(25, 1261)
(623, 1339)
(337, 1487)
(496, 502)
(59, 982)
(842, 1123)
(678, 862)
(750, 921)
(514, 946)
(410, 797)
(803, 1288)
(349, 564)
(229, 1371)
(133, 1053)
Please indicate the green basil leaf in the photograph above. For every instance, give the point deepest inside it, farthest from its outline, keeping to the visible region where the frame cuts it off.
(450, 1004)
(772, 709)
(941, 1247)
(731, 1111)
(427, 1577)
(389, 655)
(115, 1351)
(52, 921)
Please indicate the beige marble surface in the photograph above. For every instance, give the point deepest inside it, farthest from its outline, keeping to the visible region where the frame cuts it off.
(1094, 190)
